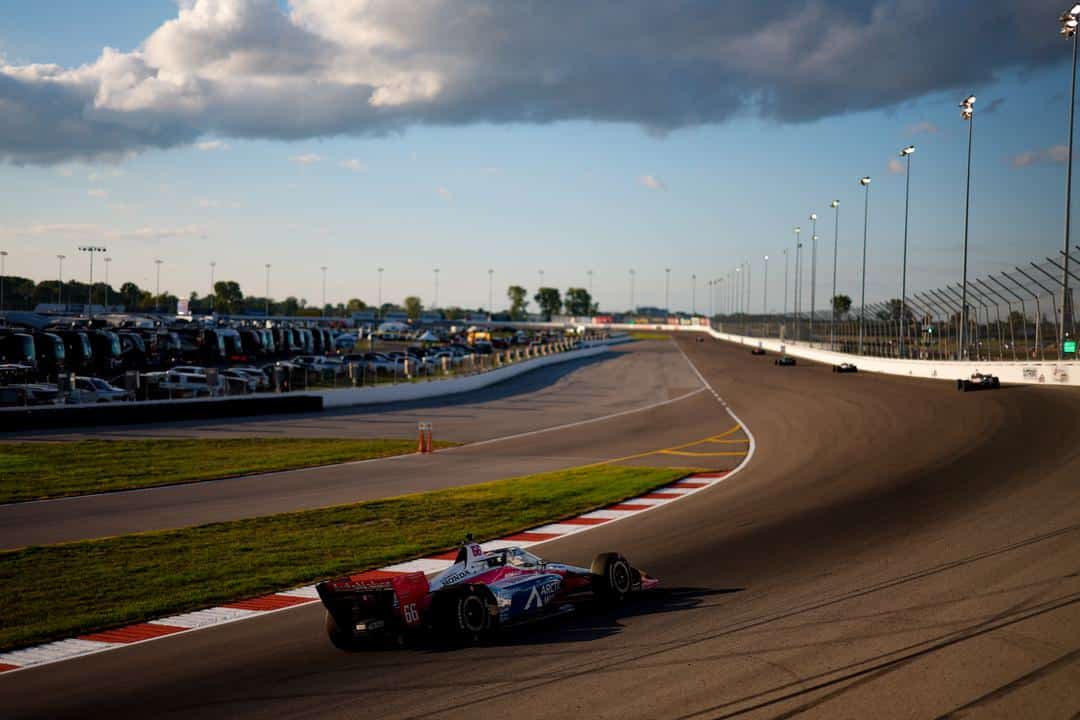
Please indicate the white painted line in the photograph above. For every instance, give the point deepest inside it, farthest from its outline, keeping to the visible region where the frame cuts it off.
(609, 514)
(424, 565)
(308, 591)
(204, 618)
(52, 652)
(580, 422)
(647, 501)
(559, 529)
(678, 490)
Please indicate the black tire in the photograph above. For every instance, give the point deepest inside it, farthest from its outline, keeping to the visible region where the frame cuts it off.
(465, 615)
(612, 578)
(995, 383)
(340, 638)
(965, 385)
(959, 384)
(835, 369)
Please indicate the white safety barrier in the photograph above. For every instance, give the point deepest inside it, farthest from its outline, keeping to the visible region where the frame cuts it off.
(405, 392)
(1037, 373)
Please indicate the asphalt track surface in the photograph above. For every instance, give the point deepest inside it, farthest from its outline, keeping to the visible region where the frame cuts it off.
(545, 420)
(894, 549)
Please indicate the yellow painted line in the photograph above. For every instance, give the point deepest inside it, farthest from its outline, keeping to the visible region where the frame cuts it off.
(728, 442)
(700, 454)
(673, 450)
(726, 433)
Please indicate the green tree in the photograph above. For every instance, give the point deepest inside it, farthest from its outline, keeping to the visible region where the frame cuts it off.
(228, 299)
(841, 304)
(549, 300)
(413, 307)
(355, 305)
(578, 301)
(518, 303)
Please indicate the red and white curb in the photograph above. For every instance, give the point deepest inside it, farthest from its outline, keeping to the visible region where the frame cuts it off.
(59, 650)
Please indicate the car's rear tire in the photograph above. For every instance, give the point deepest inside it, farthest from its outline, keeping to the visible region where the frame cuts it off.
(340, 638)
(465, 615)
(612, 578)
(995, 383)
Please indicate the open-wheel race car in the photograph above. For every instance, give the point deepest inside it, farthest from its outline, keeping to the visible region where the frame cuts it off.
(784, 360)
(758, 350)
(481, 592)
(978, 381)
(845, 367)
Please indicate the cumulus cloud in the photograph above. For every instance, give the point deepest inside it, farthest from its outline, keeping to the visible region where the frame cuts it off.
(317, 68)
(308, 159)
(353, 164)
(96, 193)
(211, 145)
(925, 127)
(896, 167)
(652, 182)
(85, 231)
(1056, 155)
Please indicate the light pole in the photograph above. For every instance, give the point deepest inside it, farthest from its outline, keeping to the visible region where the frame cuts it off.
(541, 278)
(91, 249)
(380, 293)
(491, 293)
(212, 266)
(693, 295)
(667, 289)
(1069, 21)
(905, 153)
(709, 286)
(60, 282)
(3, 256)
(795, 300)
(323, 268)
(589, 273)
(785, 281)
(435, 305)
(157, 285)
(967, 112)
(835, 244)
(813, 270)
(736, 291)
(865, 182)
(632, 273)
(266, 300)
(765, 289)
(749, 277)
(108, 261)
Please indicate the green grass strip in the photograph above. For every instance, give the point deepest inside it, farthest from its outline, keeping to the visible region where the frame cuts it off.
(645, 335)
(36, 470)
(57, 591)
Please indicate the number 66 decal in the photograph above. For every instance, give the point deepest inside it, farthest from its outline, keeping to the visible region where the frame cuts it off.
(412, 615)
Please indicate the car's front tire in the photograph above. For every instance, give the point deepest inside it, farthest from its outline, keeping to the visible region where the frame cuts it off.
(612, 578)
(466, 615)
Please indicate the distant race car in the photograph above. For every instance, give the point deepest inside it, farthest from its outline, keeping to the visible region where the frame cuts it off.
(480, 592)
(784, 360)
(844, 367)
(978, 381)
(758, 351)
(700, 339)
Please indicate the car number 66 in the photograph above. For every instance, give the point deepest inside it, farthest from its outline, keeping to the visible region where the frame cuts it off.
(412, 615)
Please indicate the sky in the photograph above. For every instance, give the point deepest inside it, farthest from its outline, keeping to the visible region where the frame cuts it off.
(520, 137)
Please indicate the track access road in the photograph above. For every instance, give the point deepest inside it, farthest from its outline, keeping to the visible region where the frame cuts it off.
(894, 549)
(627, 401)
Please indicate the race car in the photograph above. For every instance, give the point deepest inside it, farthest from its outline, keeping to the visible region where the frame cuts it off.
(479, 593)
(978, 381)
(844, 367)
(700, 339)
(758, 351)
(784, 360)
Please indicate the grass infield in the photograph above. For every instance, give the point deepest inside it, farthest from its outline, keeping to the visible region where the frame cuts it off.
(58, 591)
(36, 470)
(644, 335)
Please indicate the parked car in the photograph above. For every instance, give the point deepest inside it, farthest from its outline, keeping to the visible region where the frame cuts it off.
(28, 394)
(262, 382)
(180, 384)
(96, 390)
(238, 382)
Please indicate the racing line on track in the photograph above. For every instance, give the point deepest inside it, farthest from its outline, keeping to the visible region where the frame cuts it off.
(92, 643)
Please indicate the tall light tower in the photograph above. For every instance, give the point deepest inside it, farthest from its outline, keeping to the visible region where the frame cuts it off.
(589, 273)
(632, 274)
(693, 295)
(667, 291)
(3, 258)
(1069, 21)
(157, 285)
(60, 282)
(795, 301)
(379, 314)
(865, 182)
(323, 310)
(785, 281)
(906, 153)
(541, 273)
(435, 305)
(90, 250)
(967, 112)
(213, 265)
(813, 270)
(765, 288)
(835, 205)
(491, 292)
(266, 299)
